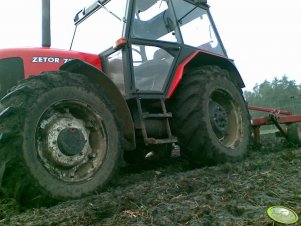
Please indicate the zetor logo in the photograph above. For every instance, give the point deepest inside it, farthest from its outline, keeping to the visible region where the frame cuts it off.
(54, 60)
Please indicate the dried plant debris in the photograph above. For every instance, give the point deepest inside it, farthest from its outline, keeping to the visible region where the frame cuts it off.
(174, 194)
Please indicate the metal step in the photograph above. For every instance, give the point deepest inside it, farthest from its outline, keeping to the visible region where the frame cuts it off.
(157, 115)
(164, 116)
(152, 140)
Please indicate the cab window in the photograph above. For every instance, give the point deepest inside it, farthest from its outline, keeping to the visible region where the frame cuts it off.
(196, 27)
(100, 31)
(154, 20)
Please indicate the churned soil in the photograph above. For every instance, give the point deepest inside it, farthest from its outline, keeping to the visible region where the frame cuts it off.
(175, 194)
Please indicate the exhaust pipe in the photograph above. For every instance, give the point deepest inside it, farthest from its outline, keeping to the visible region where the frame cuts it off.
(46, 33)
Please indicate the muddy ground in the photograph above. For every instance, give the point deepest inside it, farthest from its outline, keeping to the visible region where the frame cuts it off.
(173, 194)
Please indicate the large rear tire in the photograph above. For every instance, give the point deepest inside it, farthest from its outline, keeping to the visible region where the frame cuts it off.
(210, 117)
(59, 139)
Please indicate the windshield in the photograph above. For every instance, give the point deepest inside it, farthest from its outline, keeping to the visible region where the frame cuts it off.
(155, 20)
(100, 30)
(196, 27)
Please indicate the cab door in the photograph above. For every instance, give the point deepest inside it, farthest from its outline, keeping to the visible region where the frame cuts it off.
(153, 45)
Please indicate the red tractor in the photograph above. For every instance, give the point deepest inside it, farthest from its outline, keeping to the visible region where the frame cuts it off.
(68, 119)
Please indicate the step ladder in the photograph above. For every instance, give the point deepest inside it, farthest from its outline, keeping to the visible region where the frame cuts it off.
(164, 116)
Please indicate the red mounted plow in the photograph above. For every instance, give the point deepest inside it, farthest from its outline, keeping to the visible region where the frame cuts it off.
(286, 122)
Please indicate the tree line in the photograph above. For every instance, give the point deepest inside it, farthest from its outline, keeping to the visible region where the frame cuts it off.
(281, 94)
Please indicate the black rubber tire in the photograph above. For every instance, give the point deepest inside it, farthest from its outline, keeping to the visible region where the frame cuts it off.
(31, 114)
(202, 141)
(294, 133)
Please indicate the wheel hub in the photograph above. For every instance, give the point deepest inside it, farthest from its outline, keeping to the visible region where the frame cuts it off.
(67, 141)
(218, 117)
(71, 141)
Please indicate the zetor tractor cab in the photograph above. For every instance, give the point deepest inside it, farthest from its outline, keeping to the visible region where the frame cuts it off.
(166, 84)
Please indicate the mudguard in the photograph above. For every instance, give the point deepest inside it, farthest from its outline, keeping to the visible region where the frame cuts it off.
(199, 58)
(112, 92)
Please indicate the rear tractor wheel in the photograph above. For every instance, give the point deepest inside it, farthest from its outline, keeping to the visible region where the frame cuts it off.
(211, 119)
(59, 139)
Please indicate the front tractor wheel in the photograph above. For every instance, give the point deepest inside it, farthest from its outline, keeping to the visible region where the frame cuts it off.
(211, 119)
(62, 139)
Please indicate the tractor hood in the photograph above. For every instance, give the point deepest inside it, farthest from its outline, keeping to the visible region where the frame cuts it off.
(37, 60)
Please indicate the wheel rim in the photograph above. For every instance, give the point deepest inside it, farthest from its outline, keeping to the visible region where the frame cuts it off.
(225, 118)
(71, 141)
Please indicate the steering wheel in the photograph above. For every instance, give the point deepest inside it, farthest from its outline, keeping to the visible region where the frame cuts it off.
(141, 56)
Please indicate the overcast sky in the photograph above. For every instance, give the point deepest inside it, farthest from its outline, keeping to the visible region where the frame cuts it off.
(263, 37)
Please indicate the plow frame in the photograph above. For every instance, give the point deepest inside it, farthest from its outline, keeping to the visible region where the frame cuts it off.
(280, 118)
